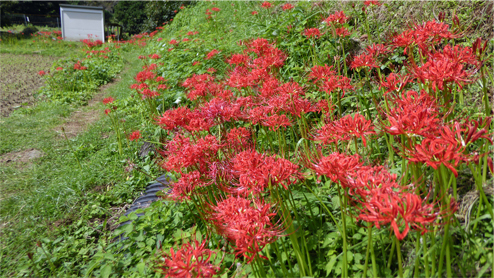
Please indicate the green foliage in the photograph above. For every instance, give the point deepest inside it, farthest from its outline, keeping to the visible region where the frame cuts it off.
(131, 15)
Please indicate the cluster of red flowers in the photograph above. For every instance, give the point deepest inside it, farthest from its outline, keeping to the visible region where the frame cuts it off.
(148, 82)
(90, 44)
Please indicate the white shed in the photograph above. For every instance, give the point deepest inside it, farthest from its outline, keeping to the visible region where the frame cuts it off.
(82, 22)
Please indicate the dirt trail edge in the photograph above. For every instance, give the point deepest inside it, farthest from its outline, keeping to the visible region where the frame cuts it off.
(86, 116)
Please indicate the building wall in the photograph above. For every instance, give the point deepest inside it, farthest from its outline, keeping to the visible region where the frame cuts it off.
(79, 24)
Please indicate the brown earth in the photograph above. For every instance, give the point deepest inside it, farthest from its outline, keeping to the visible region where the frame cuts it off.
(21, 156)
(20, 79)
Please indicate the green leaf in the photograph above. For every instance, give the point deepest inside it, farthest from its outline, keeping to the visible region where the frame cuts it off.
(106, 271)
(330, 265)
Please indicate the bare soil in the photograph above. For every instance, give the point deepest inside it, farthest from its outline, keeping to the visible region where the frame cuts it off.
(20, 80)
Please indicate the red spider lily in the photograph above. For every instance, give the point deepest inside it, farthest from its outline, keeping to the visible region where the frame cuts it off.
(239, 139)
(185, 39)
(444, 68)
(108, 100)
(266, 5)
(321, 73)
(259, 46)
(395, 82)
(191, 260)
(238, 59)
(413, 114)
(478, 49)
(160, 79)
(174, 118)
(215, 9)
(337, 82)
(270, 57)
(345, 129)
(367, 179)
(246, 224)
(372, 2)
(336, 166)
(256, 172)
(211, 70)
(363, 60)
(144, 75)
(196, 63)
(338, 17)
(134, 136)
(154, 56)
(107, 111)
(342, 32)
(276, 121)
(59, 68)
(181, 153)
(401, 210)
(192, 33)
(287, 7)
(254, 12)
(147, 93)
(172, 42)
(211, 54)
(77, 66)
(437, 151)
(377, 49)
(185, 186)
(218, 110)
(312, 33)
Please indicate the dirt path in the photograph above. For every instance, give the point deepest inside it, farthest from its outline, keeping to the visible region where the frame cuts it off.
(80, 120)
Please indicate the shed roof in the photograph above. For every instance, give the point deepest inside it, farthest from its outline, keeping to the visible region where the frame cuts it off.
(81, 7)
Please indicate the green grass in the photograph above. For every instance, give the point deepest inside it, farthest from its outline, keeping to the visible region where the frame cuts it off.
(53, 187)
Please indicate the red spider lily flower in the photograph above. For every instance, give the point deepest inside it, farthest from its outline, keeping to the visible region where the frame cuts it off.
(59, 68)
(144, 75)
(108, 100)
(182, 7)
(248, 225)
(147, 93)
(336, 166)
(256, 172)
(372, 2)
(432, 33)
(338, 17)
(395, 82)
(444, 68)
(196, 63)
(345, 129)
(160, 79)
(266, 5)
(437, 151)
(154, 56)
(41, 73)
(192, 33)
(377, 49)
(366, 180)
(107, 111)
(321, 73)
(413, 114)
(215, 9)
(287, 7)
(337, 82)
(478, 49)
(239, 139)
(174, 118)
(403, 211)
(276, 121)
(342, 32)
(259, 46)
(218, 110)
(211, 70)
(270, 58)
(254, 12)
(238, 59)
(162, 87)
(363, 60)
(186, 185)
(312, 33)
(134, 136)
(405, 39)
(182, 154)
(211, 54)
(191, 260)
(172, 42)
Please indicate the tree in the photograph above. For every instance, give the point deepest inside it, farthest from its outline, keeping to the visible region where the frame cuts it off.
(131, 15)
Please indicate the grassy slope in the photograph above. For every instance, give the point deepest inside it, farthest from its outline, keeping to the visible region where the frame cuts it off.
(54, 188)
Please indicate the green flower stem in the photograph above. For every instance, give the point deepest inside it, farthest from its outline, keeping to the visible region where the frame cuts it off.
(344, 273)
(391, 254)
(426, 258)
(398, 253)
(416, 271)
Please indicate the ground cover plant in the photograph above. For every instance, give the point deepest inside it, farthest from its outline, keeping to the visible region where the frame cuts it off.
(301, 140)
